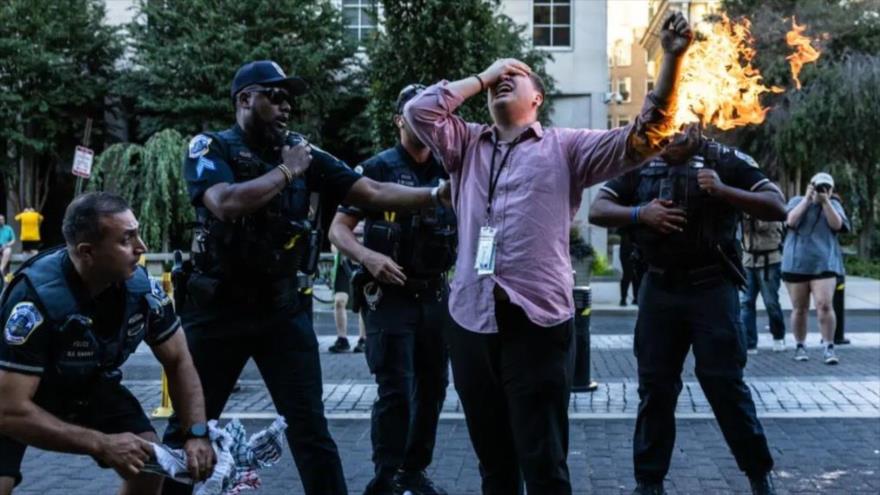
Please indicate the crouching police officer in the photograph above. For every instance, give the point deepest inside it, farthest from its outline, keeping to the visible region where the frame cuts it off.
(685, 206)
(252, 187)
(404, 302)
(73, 315)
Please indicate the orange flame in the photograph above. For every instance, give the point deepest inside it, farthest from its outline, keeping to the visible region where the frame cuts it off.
(718, 84)
(804, 51)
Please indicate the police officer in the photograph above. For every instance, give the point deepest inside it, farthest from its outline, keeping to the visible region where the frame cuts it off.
(685, 206)
(252, 187)
(73, 315)
(404, 303)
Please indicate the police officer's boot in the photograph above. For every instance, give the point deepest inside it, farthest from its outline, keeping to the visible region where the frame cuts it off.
(414, 483)
(762, 485)
(644, 488)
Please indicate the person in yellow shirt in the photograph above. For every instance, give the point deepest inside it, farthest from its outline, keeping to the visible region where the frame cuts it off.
(30, 230)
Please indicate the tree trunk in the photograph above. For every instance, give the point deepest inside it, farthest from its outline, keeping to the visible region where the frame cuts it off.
(866, 212)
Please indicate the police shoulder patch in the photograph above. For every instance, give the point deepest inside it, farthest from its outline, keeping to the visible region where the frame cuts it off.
(23, 320)
(158, 292)
(746, 158)
(199, 146)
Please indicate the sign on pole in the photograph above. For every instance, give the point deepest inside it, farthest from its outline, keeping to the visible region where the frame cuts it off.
(82, 162)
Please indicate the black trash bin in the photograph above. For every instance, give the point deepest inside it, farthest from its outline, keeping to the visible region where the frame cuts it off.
(582, 306)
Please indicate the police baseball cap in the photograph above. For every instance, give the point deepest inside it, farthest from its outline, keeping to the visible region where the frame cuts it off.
(407, 94)
(266, 73)
(822, 178)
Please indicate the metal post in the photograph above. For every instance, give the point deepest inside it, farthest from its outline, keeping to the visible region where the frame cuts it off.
(582, 308)
(837, 303)
(87, 137)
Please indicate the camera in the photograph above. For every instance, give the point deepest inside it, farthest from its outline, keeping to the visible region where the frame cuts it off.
(822, 188)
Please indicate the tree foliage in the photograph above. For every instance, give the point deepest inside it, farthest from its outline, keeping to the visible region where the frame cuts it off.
(832, 123)
(150, 178)
(185, 54)
(57, 64)
(424, 41)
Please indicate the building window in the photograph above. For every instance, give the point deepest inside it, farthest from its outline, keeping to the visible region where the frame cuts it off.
(624, 89)
(622, 54)
(609, 123)
(622, 122)
(359, 20)
(649, 86)
(551, 23)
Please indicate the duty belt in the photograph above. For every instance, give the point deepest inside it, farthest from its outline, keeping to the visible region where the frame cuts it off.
(425, 284)
(689, 276)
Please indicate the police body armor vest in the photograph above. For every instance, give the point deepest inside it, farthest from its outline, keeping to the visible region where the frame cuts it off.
(710, 222)
(78, 353)
(423, 242)
(266, 245)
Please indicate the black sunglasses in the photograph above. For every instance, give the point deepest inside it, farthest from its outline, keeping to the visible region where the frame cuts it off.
(276, 96)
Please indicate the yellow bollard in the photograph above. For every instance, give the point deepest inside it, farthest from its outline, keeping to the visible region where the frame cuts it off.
(165, 409)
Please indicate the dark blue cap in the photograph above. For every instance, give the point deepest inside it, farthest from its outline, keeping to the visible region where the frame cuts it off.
(266, 73)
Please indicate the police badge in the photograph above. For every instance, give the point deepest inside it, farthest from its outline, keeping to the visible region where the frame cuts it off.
(23, 320)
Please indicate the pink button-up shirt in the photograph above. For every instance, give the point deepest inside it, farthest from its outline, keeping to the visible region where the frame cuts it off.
(537, 196)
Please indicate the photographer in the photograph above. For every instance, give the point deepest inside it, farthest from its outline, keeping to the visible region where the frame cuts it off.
(812, 260)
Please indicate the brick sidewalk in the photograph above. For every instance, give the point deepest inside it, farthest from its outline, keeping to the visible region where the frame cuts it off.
(813, 456)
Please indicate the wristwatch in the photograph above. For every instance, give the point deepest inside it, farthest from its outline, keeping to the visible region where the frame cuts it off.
(197, 430)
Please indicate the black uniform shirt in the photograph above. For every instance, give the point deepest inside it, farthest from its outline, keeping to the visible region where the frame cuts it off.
(737, 169)
(28, 337)
(710, 221)
(216, 157)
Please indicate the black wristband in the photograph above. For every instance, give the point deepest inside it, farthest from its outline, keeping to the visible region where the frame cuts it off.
(482, 84)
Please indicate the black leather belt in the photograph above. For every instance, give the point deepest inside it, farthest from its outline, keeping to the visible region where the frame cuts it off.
(425, 284)
(693, 276)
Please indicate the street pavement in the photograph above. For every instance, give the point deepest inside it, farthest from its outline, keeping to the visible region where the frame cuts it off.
(822, 422)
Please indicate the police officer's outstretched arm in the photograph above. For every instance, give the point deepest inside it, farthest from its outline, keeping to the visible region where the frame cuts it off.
(389, 196)
(383, 268)
(24, 352)
(744, 186)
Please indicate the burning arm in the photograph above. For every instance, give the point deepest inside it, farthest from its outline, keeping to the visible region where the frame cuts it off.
(655, 124)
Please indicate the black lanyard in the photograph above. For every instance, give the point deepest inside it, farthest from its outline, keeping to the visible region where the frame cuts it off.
(493, 177)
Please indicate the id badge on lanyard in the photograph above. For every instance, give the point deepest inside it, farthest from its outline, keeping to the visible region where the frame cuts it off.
(485, 263)
(486, 246)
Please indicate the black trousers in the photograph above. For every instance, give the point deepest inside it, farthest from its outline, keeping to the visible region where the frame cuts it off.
(514, 387)
(407, 354)
(285, 349)
(673, 319)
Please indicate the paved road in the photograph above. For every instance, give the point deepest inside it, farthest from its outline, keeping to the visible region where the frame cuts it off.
(823, 422)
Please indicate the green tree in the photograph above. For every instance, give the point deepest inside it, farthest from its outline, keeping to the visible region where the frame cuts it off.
(150, 178)
(833, 125)
(184, 55)
(829, 124)
(57, 65)
(425, 41)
